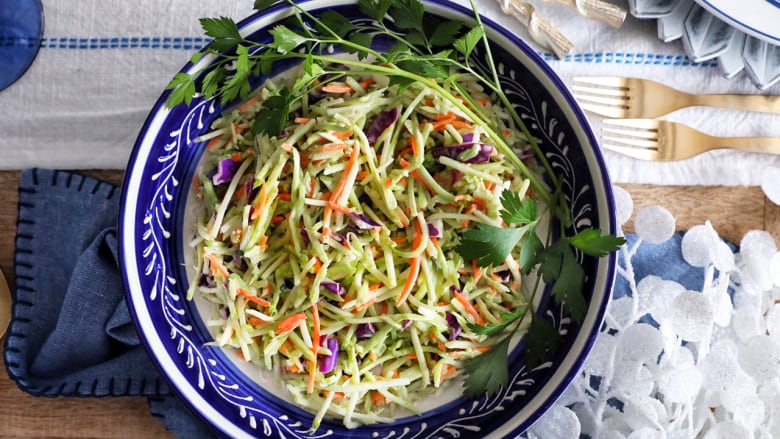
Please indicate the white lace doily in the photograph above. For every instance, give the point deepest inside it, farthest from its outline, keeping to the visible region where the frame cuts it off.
(706, 365)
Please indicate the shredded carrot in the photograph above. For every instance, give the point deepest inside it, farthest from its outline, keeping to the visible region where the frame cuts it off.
(362, 175)
(317, 264)
(483, 101)
(441, 346)
(248, 104)
(217, 266)
(365, 304)
(469, 308)
(337, 88)
(415, 174)
(302, 119)
(398, 239)
(286, 146)
(213, 143)
(284, 196)
(413, 144)
(289, 323)
(411, 279)
(255, 321)
(377, 398)
(331, 147)
(238, 129)
(477, 270)
(341, 135)
(383, 308)
(374, 287)
(261, 200)
(276, 219)
(449, 371)
(368, 82)
(252, 297)
(312, 376)
(388, 182)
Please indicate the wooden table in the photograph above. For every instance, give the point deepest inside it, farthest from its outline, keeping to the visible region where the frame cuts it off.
(732, 211)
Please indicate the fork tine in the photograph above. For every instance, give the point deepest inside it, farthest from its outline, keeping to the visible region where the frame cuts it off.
(638, 153)
(647, 124)
(643, 134)
(601, 91)
(637, 143)
(604, 100)
(604, 110)
(605, 81)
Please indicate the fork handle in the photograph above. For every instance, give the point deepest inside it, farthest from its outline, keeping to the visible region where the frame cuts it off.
(759, 103)
(766, 145)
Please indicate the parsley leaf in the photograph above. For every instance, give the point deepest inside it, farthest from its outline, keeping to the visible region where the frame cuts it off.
(444, 33)
(223, 30)
(517, 210)
(541, 341)
(271, 118)
(376, 9)
(408, 14)
(183, 86)
(468, 42)
(491, 329)
(285, 40)
(559, 265)
(530, 247)
(335, 22)
(487, 373)
(488, 245)
(590, 241)
(261, 5)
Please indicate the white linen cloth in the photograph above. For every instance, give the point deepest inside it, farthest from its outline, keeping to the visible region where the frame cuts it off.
(104, 63)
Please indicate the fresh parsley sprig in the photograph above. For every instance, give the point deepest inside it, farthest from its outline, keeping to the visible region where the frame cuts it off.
(558, 265)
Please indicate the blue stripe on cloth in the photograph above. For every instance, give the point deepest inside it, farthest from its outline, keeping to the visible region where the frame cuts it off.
(183, 43)
(197, 43)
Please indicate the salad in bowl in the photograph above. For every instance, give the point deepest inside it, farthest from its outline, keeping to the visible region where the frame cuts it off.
(367, 218)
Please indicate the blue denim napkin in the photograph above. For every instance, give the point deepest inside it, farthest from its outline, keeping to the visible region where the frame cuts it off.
(71, 333)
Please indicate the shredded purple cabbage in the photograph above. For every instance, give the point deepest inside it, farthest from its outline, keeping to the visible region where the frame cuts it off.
(405, 324)
(226, 170)
(333, 287)
(224, 312)
(305, 236)
(207, 280)
(362, 221)
(465, 152)
(452, 322)
(436, 229)
(328, 362)
(365, 330)
(380, 123)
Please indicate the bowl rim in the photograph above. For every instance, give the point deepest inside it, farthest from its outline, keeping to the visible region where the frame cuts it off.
(581, 345)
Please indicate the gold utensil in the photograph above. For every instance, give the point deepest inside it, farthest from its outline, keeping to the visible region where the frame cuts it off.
(5, 304)
(641, 98)
(650, 139)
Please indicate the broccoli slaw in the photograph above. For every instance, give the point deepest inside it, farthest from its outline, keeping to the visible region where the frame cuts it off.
(328, 250)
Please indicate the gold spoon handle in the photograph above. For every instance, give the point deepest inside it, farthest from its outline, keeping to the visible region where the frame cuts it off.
(5, 304)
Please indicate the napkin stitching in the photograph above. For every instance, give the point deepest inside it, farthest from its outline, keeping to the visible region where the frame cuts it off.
(22, 310)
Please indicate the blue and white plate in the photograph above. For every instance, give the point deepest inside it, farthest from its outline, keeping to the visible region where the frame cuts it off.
(739, 35)
(235, 399)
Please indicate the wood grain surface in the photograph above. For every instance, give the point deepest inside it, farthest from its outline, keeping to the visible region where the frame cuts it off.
(732, 210)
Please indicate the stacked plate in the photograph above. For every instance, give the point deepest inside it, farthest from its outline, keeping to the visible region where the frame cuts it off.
(739, 36)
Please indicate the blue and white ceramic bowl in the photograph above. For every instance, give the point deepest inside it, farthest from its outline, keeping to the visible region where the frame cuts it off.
(234, 398)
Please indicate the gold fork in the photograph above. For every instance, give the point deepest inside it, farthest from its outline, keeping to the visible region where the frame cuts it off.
(641, 98)
(661, 140)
